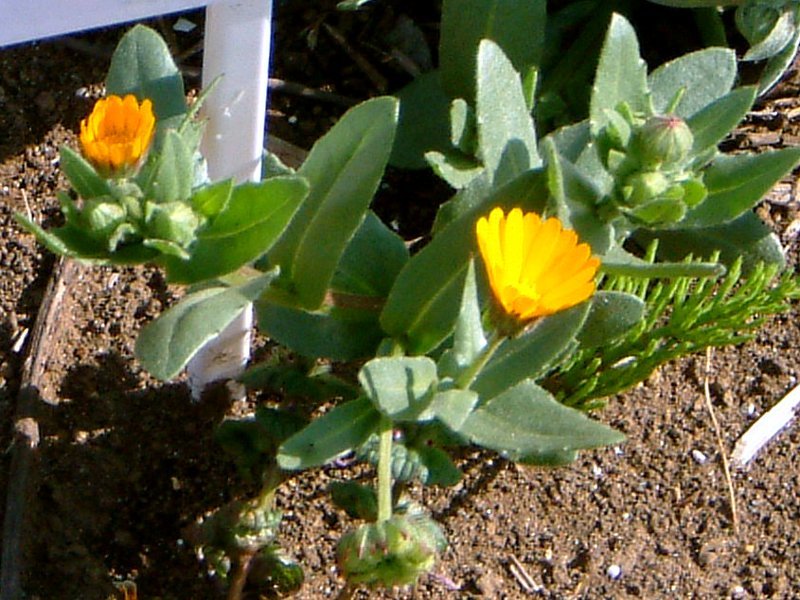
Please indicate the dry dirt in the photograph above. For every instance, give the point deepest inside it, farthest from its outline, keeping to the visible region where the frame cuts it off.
(125, 462)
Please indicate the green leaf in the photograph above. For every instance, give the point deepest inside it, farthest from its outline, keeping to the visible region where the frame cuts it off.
(702, 77)
(82, 175)
(339, 334)
(69, 240)
(517, 26)
(212, 199)
(531, 354)
(735, 183)
(620, 262)
(170, 177)
(526, 421)
(711, 124)
(621, 75)
(452, 407)
(746, 237)
(456, 169)
(575, 196)
(469, 338)
(142, 65)
(255, 216)
(165, 345)
(506, 137)
(422, 123)
(343, 169)
(400, 387)
(777, 65)
(767, 29)
(357, 500)
(342, 429)
(611, 315)
(371, 261)
(439, 467)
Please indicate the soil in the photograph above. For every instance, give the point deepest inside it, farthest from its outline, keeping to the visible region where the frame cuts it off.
(125, 463)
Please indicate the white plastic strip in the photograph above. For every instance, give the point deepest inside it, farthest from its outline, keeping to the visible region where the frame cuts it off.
(765, 428)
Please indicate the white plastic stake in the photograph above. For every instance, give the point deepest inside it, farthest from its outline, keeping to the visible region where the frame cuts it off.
(237, 46)
(765, 428)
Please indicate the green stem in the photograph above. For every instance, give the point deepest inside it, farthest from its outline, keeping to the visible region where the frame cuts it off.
(385, 470)
(471, 372)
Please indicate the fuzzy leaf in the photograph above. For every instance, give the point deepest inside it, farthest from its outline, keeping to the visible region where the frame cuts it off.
(371, 261)
(343, 170)
(422, 122)
(745, 237)
(506, 138)
(165, 345)
(342, 429)
(611, 315)
(212, 199)
(339, 334)
(255, 216)
(142, 65)
(711, 124)
(530, 355)
(621, 75)
(526, 421)
(620, 262)
(399, 387)
(469, 338)
(735, 183)
(171, 176)
(82, 175)
(704, 76)
(516, 26)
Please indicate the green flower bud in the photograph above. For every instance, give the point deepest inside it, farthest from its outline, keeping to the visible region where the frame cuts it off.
(663, 211)
(256, 526)
(644, 186)
(663, 140)
(103, 216)
(391, 553)
(172, 221)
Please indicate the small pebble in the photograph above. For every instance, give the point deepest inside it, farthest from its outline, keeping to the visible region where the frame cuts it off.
(699, 457)
(614, 572)
(738, 592)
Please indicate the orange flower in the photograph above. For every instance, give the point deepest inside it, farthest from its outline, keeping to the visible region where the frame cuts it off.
(535, 267)
(118, 133)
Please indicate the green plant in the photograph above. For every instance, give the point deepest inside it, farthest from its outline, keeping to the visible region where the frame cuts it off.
(505, 352)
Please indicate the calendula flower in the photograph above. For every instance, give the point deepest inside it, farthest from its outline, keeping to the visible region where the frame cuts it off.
(535, 267)
(117, 135)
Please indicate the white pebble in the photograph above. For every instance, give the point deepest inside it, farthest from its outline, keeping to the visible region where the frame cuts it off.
(699, 457)
(738, 592)
(614, 572)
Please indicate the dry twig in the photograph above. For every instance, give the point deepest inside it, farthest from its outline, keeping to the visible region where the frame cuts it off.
(725, 464)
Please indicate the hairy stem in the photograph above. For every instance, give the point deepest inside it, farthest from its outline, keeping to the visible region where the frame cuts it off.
(385, 470)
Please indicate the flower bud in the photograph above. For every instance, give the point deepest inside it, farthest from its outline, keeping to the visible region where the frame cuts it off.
(663, 140)
(103, 216)
(390, 553)
(174, 221)
(644, 186)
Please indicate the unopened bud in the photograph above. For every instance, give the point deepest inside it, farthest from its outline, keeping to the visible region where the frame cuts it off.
(663, 140)
(390, 553)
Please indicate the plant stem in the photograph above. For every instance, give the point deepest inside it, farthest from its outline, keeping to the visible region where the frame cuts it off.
(385, 470)
(468, 376)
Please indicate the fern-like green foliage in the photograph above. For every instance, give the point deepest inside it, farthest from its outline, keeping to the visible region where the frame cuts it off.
(683, 315)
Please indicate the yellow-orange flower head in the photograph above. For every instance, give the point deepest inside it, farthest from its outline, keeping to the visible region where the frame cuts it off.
(535, 267)
(117, 134)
